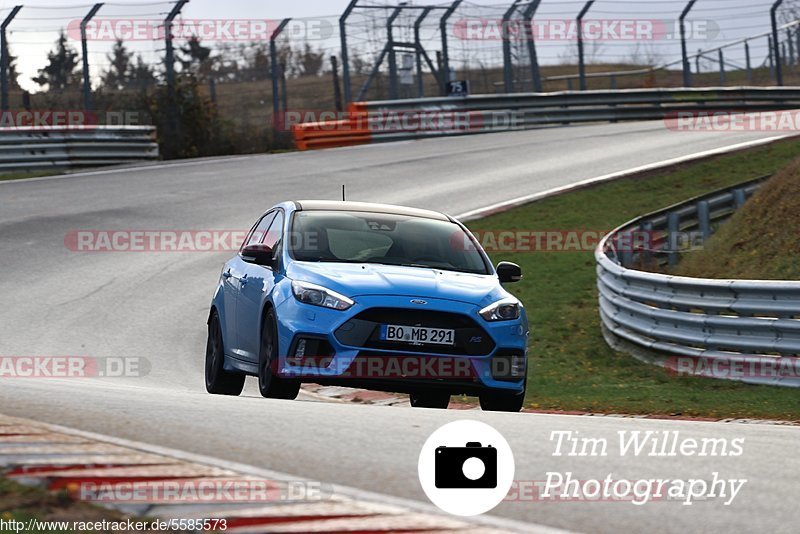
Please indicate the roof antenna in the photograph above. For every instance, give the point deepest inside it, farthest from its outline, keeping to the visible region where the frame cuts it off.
(344, 193)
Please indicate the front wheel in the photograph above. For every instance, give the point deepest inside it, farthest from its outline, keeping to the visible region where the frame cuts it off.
(436, 401)
(219, 381)
(270, 384)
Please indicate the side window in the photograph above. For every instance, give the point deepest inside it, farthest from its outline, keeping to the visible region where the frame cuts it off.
(260, 230)
(275, 232)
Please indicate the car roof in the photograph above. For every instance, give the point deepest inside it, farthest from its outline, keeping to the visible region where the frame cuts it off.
(328, 205)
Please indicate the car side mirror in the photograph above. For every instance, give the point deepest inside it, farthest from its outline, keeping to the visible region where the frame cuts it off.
(509, 273)
(258, 255)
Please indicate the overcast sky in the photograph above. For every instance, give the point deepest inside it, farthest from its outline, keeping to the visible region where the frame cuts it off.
(36, 28)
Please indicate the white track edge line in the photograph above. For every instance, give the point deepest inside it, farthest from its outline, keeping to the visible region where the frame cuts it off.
(519, 201)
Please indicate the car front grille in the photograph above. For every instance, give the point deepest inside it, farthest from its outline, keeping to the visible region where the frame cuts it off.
(364, 331)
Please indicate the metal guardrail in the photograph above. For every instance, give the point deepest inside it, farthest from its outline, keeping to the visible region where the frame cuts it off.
(732, 329)
(372, 121)
(60, 148)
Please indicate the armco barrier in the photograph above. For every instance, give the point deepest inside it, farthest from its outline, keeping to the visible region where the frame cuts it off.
(371, 121)
(60, 148)
(732, 329)
(331, 134)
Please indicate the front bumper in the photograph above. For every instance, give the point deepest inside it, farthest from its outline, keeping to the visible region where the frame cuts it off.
(343, 347)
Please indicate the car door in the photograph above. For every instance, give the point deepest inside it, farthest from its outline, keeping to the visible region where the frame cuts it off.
(232, 275)
(256, 283)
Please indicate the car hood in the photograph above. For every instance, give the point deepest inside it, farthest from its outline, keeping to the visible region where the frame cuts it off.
(354, 280)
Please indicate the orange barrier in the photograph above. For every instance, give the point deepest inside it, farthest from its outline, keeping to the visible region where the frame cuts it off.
(330, 134)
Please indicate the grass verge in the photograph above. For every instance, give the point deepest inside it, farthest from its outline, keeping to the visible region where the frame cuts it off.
(24, 175)
(572, 368)
(760, 241)
(23, 504)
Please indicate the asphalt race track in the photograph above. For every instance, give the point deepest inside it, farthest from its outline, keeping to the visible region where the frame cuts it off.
(153, 306)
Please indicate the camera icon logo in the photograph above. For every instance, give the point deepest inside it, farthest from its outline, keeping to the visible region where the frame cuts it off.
(466, 468)
(473, 466)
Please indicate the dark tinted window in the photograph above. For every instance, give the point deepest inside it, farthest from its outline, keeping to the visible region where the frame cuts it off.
(354, 237)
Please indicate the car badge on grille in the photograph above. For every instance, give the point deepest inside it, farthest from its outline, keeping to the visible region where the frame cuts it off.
(419, 302)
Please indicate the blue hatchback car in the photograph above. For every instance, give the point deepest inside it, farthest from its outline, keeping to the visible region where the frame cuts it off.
(371, 296)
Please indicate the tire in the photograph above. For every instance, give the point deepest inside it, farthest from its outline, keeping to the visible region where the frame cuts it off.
(436, 400)
(270, 385)
(499, 402)
(219, 381)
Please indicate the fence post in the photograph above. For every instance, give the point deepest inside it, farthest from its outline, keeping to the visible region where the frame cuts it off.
(212, 90)
(420, 51)
(172, 104)
(687, 68)
(704, 218)
(284, 92)
(673, 227)
(721, 66)
(337, 91)
(797, 36)
(581, 59)
(275, 69)
(790, 43)
(348, 92)
(87, 84)
(508, 68)
(445, 76)
(776, 45)
(4, 61)
(527, 18)
(647, 253)
(739, 197)
(393, 90)
(748, 62)
(771, 50)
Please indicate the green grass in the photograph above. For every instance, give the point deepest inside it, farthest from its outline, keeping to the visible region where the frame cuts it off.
(23, 503)
(572, 368)
(24, 175)
(760, 242)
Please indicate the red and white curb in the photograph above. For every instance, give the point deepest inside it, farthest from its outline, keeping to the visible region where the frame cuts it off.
(119, 472)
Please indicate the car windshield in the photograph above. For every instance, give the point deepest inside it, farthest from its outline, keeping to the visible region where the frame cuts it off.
(378, 238)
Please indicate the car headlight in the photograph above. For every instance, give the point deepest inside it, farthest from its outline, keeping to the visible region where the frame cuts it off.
(503, 310)
(315, 295)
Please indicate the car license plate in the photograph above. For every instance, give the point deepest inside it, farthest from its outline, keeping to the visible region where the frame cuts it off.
(418, 335)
